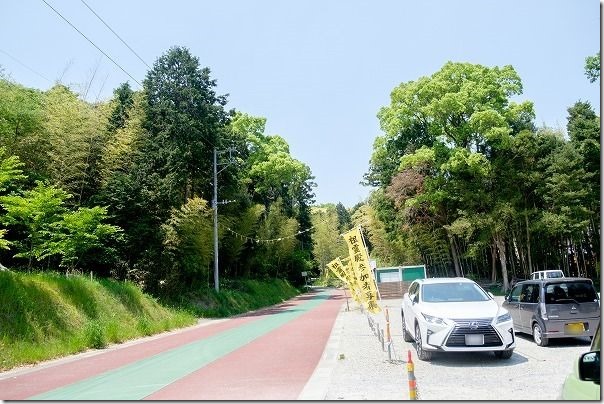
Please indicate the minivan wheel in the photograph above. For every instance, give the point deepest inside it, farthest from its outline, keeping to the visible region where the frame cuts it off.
(507, 354)
(538, 335)
(421, 353)
(406, 336)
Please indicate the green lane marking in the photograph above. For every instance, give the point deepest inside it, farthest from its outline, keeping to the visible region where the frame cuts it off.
(142, 378)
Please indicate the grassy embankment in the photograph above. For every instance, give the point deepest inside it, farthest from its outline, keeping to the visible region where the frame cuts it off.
(48, 315)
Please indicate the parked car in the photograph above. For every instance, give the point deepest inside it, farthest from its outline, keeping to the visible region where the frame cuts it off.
(554, 273)
(554, 308)
(583, 383)
(455, 315)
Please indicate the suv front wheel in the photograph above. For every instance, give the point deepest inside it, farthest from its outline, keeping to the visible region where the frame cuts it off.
(419, 347)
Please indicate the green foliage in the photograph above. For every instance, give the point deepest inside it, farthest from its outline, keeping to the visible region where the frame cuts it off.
(473, 186)
(238, 297)
(123, 100)
(22, 127)
(327, 241)
(35, 212)
(124, 142)
(184, 119)
(187, 238)
(76, 134)
(273, 258)
(79, 233)
(592, 67)
(10, 170)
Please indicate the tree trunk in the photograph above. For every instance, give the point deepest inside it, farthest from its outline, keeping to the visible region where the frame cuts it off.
(528, 243)
(493, 263)
(502, 259)
(583, 259)
(454, 255)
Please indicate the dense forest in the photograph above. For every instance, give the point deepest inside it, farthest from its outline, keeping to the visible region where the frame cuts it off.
(467, 184)
(123, 188)
(464, 183)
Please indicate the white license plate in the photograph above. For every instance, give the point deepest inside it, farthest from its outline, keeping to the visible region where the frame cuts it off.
(474, 339)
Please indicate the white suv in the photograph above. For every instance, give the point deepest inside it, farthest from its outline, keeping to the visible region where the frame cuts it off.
(455, 315)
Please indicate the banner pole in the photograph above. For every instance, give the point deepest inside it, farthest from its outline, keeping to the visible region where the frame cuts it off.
(346, 295)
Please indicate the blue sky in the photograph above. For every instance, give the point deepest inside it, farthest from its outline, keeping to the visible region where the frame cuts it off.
(318, 70)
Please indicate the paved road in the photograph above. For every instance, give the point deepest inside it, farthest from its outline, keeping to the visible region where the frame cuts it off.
(309, 348)
(269, 354)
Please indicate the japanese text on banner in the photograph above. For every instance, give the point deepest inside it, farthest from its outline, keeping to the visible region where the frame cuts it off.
(359, 261)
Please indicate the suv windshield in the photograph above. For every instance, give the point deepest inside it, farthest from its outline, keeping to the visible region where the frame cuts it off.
(453, 292)
(563, 292)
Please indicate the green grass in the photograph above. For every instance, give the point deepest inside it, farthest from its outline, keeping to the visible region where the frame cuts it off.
(238, 297)
(47, 315)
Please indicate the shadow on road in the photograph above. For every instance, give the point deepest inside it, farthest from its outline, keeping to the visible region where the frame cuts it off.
(559, 342)
(471, 359)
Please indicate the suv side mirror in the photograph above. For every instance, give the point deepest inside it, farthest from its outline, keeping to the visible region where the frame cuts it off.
(416, 298)
(589, 366)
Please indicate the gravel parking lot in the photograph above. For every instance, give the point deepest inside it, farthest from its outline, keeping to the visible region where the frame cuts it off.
(361, 370)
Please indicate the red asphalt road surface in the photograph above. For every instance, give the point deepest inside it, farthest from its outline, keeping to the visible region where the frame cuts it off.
(275, 366)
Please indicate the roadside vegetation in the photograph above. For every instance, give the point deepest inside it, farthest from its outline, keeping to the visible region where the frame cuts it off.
(48, 315)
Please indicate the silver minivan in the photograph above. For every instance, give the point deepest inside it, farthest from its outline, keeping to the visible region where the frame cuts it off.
(554, 308)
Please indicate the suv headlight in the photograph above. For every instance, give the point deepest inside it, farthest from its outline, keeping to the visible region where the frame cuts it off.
(434, 320)
(503, 318)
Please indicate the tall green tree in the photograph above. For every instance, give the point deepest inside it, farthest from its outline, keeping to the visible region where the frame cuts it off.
(448, 132)
(185, 118)
(592, 67)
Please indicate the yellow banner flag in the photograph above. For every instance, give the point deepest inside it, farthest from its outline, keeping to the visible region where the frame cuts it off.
(355, 289)
(343, 272)
(337, 268)
(359, 260)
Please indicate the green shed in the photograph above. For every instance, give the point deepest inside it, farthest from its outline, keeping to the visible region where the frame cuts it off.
(406, 273)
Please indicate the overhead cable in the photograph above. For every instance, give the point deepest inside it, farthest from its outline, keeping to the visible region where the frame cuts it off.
(115, 33)
(93, 44)
(24, 65)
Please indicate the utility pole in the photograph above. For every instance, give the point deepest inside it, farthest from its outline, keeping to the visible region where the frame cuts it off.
(215, 208)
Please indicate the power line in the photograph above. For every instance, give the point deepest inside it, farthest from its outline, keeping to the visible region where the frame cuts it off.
(255, 240)
(115, 33)
(93, 44)
(24, 65)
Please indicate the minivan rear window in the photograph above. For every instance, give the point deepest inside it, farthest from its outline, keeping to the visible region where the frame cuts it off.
(567, 292)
